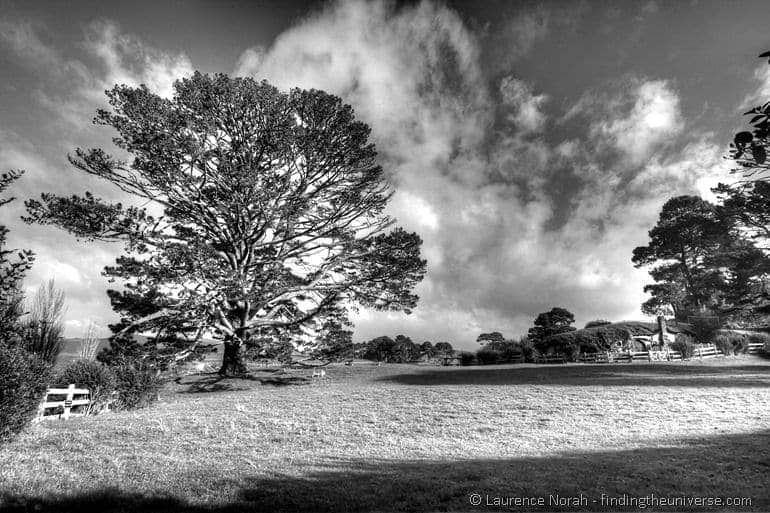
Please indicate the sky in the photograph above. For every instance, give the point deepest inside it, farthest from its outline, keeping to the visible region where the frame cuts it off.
(530, 144)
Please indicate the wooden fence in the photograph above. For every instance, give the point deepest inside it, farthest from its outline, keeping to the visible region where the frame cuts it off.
(549, 358)
(62, 408)
(701, 351)
(706, 351)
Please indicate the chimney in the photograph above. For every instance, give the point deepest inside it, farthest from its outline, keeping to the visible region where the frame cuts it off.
(661, 330)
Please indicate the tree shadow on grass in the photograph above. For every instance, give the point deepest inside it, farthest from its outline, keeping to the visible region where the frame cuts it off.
(214, 382)
(646, 374)
(725, 466)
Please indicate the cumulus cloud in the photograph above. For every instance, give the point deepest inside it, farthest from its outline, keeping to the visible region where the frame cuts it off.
(525, 106)
(125, 59)
(761, 89)
(643, 117)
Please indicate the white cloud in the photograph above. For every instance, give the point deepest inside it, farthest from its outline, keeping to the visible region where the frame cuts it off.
(641, 121)
(526, 108)
(761, 90)
(127, 60)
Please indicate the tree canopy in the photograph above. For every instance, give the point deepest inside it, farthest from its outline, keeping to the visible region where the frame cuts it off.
(13, 263)
(486, 338)
(271, 213)
(557, 320)
(746, 202)
(682, 246)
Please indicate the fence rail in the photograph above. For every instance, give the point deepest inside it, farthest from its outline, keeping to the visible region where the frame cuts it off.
(707, 351)
(701, 351)
(551, 359)
(72, 397)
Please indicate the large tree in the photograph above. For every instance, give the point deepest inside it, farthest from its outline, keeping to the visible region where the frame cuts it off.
(747, 202)
(557, 320)
(681, 250)
(271, 213)
(746, 205)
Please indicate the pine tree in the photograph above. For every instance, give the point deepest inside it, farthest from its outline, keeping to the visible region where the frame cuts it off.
(272, 213)
(13, 266)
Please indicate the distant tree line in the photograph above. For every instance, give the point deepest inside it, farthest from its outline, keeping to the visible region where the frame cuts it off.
(400, 349)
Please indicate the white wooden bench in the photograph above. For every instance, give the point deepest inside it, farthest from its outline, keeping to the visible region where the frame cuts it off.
(72, 397)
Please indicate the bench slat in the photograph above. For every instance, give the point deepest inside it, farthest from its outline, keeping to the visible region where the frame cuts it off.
(75, 402)
(65, 391)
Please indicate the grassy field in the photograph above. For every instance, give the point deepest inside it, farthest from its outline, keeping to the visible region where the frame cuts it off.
(408, 438)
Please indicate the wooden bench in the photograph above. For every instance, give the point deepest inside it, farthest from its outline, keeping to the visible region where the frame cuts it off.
(72, 397)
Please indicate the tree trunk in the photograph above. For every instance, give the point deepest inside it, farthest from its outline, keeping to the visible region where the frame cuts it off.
(663, 330)
(232, 360)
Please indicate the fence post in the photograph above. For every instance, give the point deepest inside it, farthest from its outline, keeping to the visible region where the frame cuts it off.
(68, 401)
(41, 408)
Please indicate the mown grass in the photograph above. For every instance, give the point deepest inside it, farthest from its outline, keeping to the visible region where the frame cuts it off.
(407, 438)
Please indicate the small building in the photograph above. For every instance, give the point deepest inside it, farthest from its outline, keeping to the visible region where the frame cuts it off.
(646, 336)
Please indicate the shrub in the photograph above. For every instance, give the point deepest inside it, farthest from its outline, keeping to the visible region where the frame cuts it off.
(499, 351)
(97, 378)
(740, 342)
(43, 328)
(467, 358)
(489, 355)
(528, 349)
(684, 344)
(724, 344)
(23, 382)
(587, 340)
(762, 338)
(704, 330)
(730, 342)
(137, 388)
(89, 344)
